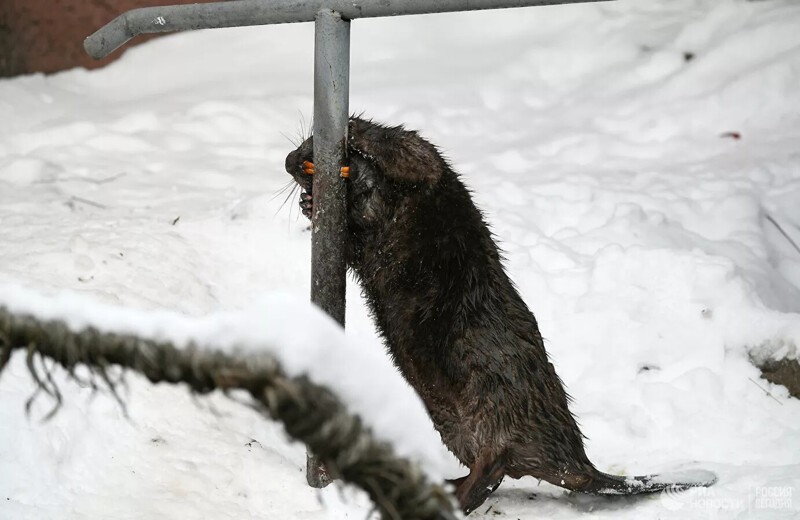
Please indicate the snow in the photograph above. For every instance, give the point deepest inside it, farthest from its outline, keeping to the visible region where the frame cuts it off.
(143, 197)
(300, 335)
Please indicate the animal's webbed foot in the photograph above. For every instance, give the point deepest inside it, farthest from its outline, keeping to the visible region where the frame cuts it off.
(485, 476)
(472, 499)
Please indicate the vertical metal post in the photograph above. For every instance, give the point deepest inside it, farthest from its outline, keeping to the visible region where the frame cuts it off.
(328, 223)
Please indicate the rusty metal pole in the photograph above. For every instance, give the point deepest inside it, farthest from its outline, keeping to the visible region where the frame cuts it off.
(328, 223)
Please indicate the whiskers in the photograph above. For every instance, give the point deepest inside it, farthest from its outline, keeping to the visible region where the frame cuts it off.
(305, 128)
(302, 133)
(295, 140)
(292, 188)
(283, 190)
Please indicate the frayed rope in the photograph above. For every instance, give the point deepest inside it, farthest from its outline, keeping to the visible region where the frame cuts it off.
(310, 413)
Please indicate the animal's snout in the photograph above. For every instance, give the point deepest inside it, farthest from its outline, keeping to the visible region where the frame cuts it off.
(292, 162)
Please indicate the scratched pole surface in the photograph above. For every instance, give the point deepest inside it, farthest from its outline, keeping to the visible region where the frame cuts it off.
(239, 13)
(328, 223)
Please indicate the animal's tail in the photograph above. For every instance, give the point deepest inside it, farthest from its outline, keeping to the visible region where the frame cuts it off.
(605, 484)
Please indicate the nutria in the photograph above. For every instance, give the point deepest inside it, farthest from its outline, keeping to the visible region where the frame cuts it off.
(453, 321)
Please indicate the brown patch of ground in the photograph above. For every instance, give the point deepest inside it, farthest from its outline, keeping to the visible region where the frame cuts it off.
(47, 35)
(785, 372)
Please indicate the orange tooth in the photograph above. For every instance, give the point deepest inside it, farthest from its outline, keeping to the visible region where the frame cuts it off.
(308, 167)
(345, 172)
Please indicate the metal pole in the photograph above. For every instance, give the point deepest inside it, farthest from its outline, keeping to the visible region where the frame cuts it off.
(262, 12)
(328, 223)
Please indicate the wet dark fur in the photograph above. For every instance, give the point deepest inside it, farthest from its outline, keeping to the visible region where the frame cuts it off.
(452, 319)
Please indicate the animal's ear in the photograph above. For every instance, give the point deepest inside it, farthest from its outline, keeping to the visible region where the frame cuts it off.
(401, 154)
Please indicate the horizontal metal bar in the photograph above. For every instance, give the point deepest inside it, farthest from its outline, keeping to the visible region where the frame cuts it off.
(239, 13)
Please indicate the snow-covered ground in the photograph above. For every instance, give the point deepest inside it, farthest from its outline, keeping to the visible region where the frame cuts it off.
(597, 138)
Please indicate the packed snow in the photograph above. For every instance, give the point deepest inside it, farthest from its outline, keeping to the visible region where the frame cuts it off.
(637, 160)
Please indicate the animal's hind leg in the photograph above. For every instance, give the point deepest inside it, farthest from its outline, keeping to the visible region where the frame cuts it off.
(484, 477)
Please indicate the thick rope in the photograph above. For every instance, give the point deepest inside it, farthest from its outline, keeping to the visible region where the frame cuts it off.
(310, 413)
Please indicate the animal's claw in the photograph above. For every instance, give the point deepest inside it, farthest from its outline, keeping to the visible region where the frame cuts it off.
(306, 204)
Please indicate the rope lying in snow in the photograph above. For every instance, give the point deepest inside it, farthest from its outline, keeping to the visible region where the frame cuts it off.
(310, 413)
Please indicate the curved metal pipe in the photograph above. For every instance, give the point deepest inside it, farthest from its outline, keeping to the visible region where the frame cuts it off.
(239, 13)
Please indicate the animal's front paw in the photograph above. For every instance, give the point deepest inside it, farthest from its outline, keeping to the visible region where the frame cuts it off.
(306, 203)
